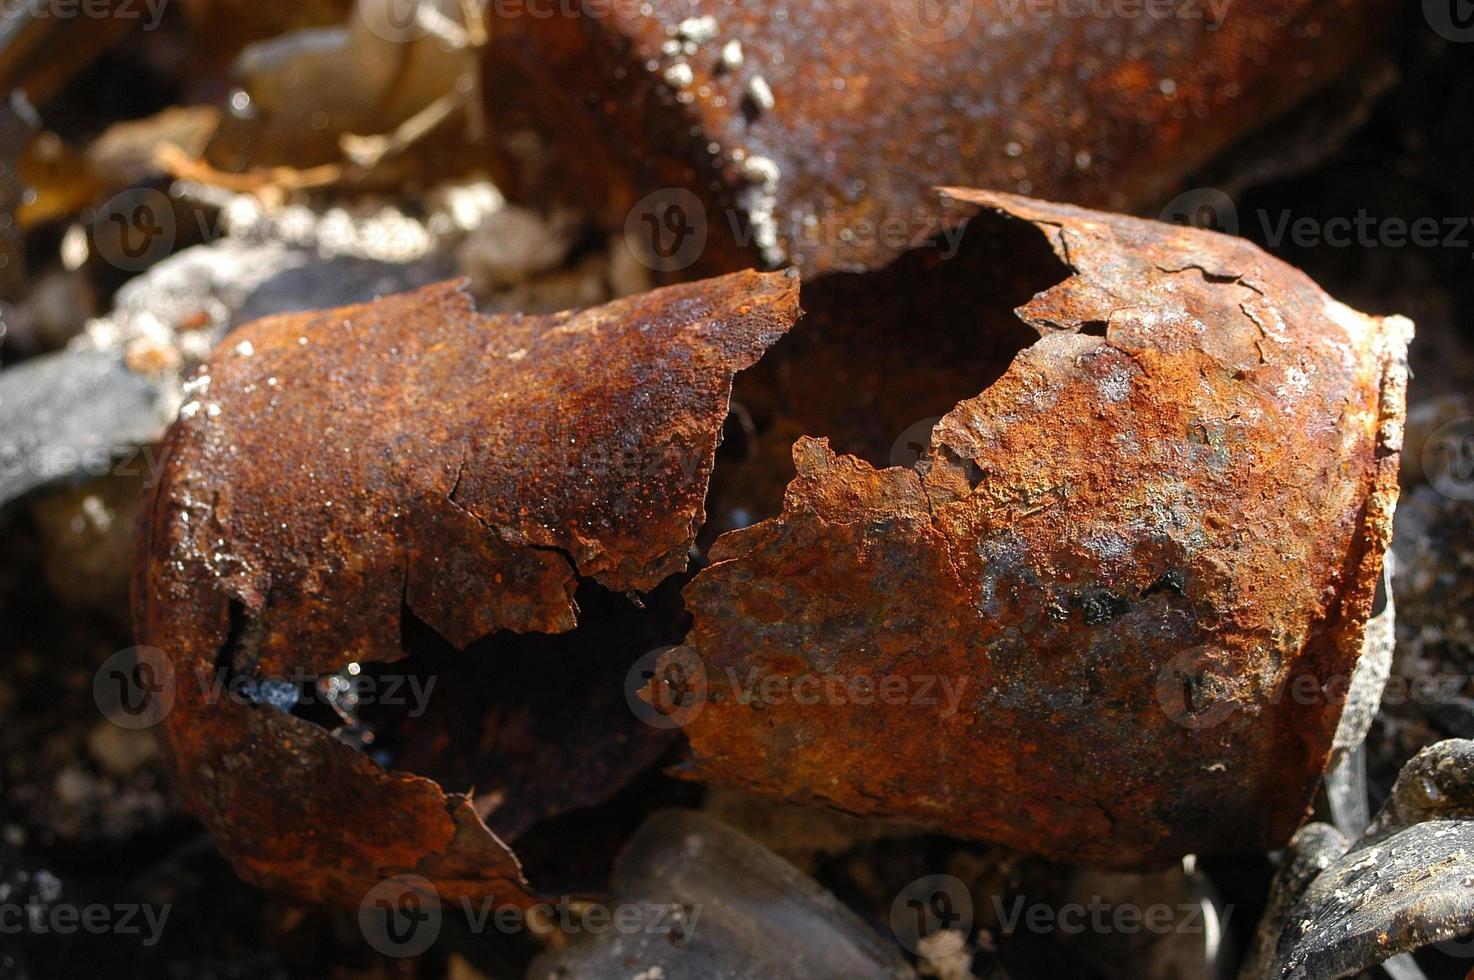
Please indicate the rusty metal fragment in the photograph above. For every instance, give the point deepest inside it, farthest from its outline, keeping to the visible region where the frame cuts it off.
(342, 484)
(812, 133)
(1119, 597)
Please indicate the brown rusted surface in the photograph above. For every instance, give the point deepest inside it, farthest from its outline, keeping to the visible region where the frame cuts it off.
(340, 482)
(1133, 556)
(873, 103)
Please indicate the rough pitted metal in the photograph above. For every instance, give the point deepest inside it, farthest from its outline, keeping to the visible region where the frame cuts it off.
(1134, 553)
(335, 468)
(873, 103)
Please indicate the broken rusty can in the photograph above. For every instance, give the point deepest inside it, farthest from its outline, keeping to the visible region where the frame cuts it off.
(1111, 612)
(1099, 614)
(723, 135)
(350, 486)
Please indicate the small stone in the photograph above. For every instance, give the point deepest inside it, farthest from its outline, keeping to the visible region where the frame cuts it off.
(120, 751)
(74, 787)
(760, 93)
(697, 30)
(512, 245)
(86, 534)
(732, 55)
(151, 356)
(760, 170)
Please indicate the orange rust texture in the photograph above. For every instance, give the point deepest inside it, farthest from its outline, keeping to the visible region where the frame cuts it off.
(334, 470)
(1124, 552)
(872, 108)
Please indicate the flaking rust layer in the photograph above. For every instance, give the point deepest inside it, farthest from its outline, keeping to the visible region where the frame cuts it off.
(1145, 557)
(337, 471)
(812, 133)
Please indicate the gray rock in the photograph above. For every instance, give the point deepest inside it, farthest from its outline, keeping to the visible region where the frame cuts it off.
(737, 910)
(73, 413)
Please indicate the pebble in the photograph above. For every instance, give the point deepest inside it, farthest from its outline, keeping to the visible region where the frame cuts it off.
(760, 93)
(120, 751)
(732, 55)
